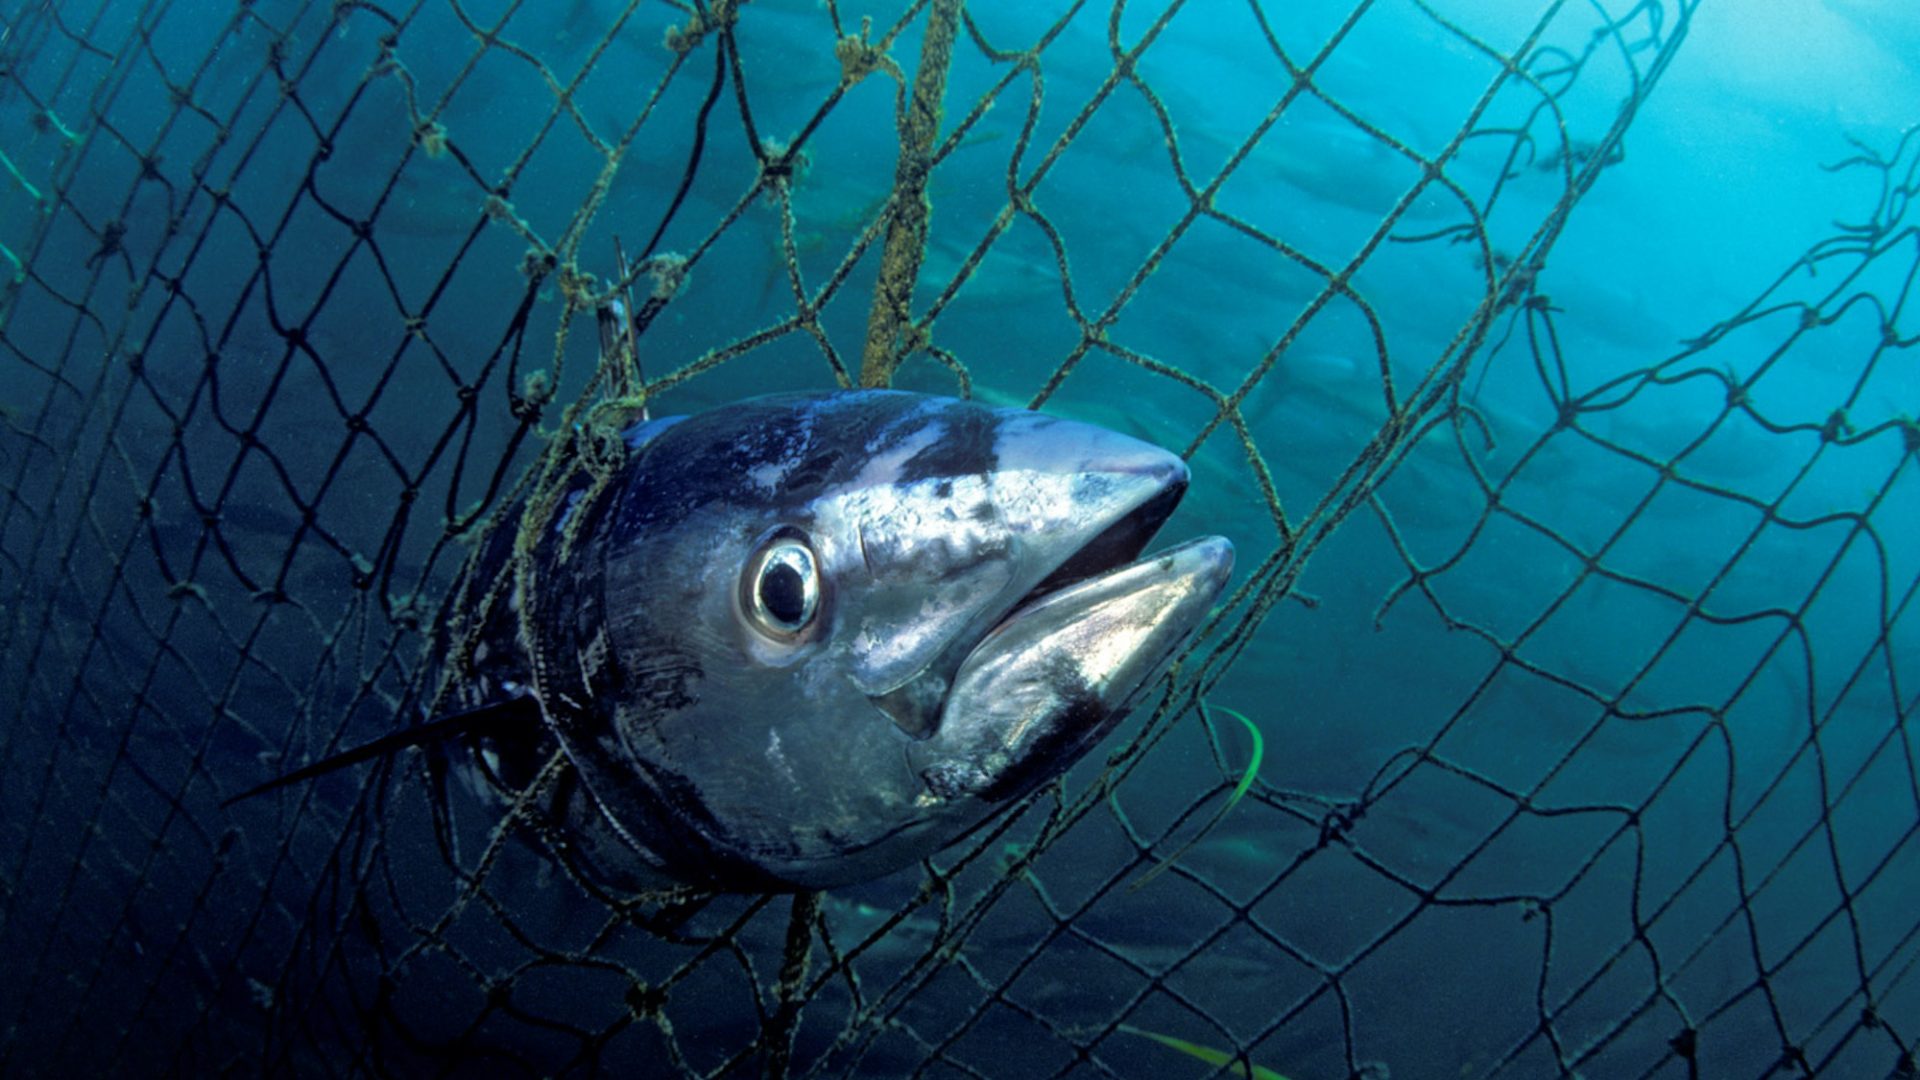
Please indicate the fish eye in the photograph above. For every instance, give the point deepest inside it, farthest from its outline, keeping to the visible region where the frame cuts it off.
(780, 590)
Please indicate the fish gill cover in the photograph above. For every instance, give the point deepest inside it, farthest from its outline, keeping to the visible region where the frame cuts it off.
(1550, 365)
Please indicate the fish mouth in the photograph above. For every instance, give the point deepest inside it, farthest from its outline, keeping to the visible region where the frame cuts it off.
(1072, 502)
(1116, 545)
(1061, 667)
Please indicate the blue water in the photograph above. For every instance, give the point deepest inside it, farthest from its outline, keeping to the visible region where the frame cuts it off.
(1587, 748)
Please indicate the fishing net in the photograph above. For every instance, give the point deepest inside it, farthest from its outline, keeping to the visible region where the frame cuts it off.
(1574, 649)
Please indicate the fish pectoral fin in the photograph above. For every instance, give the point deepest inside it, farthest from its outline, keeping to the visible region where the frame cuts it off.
(494, 718)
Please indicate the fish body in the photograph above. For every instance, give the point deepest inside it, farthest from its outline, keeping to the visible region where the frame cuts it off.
(803, 641)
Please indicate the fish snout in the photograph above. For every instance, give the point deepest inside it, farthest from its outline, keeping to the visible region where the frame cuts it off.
(1054, 502)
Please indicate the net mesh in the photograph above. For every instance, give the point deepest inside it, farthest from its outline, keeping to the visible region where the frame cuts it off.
(1586, 743)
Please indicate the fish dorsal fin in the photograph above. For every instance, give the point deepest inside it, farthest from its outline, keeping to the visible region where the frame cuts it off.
(498, 716)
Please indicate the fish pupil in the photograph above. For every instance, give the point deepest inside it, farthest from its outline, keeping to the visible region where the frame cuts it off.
(783, 593)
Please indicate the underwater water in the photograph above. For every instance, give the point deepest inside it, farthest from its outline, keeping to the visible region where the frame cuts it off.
(1551, 367)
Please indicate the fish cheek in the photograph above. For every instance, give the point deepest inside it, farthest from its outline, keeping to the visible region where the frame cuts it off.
(775, 761)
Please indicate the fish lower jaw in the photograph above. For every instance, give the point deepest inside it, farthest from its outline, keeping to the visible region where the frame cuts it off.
(1056, 674)
(1112, 614)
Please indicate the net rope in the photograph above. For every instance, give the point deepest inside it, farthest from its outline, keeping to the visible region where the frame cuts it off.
(298, 311)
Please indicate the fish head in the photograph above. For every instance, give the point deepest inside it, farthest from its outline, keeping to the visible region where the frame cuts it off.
(841, 630)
